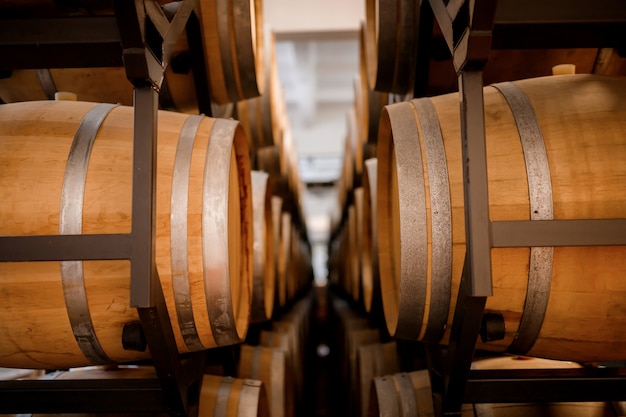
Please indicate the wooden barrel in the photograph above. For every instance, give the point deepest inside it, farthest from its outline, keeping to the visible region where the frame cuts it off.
(270, 160)
(72, 313)
(107, 85)
(103, 85)
(270, 366)
(277, 206)
(370, 101)
(373, 360)
(352, 260)
(572, 143)
(284, 257)
(232, 35)
(262, 117)
(225, 396)
(263, 231)
(370, 276)
(287, 343)
(293, 330)
(391, 34)
(413, 391)
(355, 338)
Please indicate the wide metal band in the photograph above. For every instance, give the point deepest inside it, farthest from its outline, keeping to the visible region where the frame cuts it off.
(178, 233)
(441, 219)
(371, 275)
(277, 206)
(386, 395)
(278, 380)
(46, 82)
(259, 195)
(223, 395)
(215, 236)
(71, 223)
(249, 398)
(226, 44)
(412, 206)
(541, 208)
(406, 395)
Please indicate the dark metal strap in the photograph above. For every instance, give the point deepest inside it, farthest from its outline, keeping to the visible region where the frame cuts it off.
(71, 223)
(541, 208)
(441, 219)
(46, 81)
(215, 256)
(178, 232)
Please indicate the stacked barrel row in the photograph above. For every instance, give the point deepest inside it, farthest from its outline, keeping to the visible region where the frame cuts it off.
(397, 246)
(275, 354)
(231, 247)
(273, 152)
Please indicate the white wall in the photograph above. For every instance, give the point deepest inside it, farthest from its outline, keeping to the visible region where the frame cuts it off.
(314, 15)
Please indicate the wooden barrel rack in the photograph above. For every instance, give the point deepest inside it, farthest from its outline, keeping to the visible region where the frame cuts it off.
(471, 30)
(121, 39)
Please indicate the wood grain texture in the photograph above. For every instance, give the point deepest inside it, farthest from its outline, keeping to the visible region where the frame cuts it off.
(35, 139)
(582, 118)
(269, 365)
(232, 397)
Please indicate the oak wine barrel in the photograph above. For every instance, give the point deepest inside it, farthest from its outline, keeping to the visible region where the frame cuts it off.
(555, 149)
(410, 395)
(225, 396)
(263, 231)
(66, 168)
(270, 366)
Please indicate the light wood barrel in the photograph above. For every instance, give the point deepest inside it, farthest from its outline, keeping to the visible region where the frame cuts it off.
(68, 314)
(284, 257)
(352, 260)
(270, 366)
(370, 101)
(413, 391)
(263, 117)
(103, 85)
(565, 163)
(294, 331)
(232, 35)
(108, 85)
(277, 207)
(355, 338)
(370, 276)
(376, 359)
(287, 343)
(225, 396)
(391, 34)
(263, 231)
